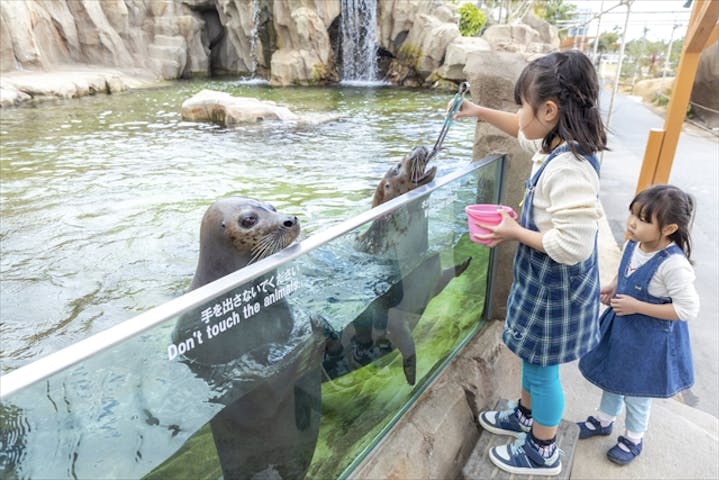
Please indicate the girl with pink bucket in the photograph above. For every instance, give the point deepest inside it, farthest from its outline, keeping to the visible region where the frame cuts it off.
(553, 305)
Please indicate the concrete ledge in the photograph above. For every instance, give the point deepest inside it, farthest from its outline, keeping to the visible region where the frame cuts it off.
(480, 467)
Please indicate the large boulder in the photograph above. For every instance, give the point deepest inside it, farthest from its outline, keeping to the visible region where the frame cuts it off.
(530, 37)
(705, 101)
(225, 110)
(492, 76)
(428, 40)
(305, 56)
(23, 87)
(458, 52)
(652, 88)
(548, 33)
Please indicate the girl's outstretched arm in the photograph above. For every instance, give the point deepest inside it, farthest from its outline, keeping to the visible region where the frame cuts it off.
(505, 121)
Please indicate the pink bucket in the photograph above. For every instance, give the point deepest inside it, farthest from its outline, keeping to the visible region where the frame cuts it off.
(487, 214)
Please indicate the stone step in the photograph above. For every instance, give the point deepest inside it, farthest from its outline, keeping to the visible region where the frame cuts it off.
(480, 467)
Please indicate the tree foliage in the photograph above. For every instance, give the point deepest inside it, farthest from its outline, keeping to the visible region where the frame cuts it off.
(608, 42)
(554, 11)
(503, 11)
(646, 59)
(471, 20)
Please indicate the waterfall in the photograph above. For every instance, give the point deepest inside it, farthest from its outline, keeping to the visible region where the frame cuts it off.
(254, 35)
(359, 40)
(254, 46)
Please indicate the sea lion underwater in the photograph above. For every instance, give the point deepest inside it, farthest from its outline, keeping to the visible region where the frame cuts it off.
(388, 321)
(263, 372)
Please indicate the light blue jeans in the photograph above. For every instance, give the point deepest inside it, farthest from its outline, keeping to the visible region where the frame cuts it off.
(638, 409)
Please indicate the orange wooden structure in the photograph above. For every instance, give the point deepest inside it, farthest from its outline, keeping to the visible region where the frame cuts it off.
(703, 30)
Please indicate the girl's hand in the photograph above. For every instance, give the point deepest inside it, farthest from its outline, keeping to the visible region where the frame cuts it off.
(467, 109)
(507, 229)
(606, 293)
(625, 305)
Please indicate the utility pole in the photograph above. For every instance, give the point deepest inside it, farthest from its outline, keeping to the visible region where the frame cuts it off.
(638, 63)
(628, 3)
(596, 38)
(669, 51)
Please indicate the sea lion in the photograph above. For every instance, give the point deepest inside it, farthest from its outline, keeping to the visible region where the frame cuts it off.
(400, 237)
(267, 378)
(387, 322)
(406, 175)
(404, 228)
(237, 231)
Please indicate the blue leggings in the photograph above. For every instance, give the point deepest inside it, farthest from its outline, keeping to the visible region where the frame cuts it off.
(546, 393)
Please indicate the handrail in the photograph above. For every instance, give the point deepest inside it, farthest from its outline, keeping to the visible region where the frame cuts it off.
(44, 367)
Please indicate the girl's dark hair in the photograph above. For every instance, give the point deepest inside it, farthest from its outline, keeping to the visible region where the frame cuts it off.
(668, 204)
(569, 79)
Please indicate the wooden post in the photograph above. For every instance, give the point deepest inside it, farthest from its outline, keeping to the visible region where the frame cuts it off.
(651, 154)
(658, 162)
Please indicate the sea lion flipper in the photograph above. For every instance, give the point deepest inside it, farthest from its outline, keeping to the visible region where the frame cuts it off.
(449, 273)
(461, 267)
(409, 365)
(400, 335)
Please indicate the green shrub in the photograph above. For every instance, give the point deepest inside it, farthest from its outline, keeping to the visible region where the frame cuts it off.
(471, 20)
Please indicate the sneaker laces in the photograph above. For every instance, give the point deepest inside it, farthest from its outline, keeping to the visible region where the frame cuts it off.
(517, 445)
(504, 414)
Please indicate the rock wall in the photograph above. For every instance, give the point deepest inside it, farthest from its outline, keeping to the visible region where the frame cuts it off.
(172, 39)
(285, 41)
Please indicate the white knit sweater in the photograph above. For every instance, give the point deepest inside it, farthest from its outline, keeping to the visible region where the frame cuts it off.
(566, 204)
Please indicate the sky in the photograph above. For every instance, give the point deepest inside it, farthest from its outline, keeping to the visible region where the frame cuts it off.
(658, 16)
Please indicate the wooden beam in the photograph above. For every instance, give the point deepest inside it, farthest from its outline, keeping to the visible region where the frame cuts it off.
(659, 164)
(701, 26)
(713, 37)
(651, 158)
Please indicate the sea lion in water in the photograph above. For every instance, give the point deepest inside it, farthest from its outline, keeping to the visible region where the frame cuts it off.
(237, 231)
(401, 237)
(409, 173)
(267, 379)
(404, 226)
(387, 322)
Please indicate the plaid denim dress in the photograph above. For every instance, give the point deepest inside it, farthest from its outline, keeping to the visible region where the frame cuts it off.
(552, 308)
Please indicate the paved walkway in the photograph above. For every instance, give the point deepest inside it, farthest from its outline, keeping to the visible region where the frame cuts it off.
(696, 170)
(683, 437)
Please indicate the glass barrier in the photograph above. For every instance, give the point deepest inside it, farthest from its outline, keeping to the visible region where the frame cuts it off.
(292, 367)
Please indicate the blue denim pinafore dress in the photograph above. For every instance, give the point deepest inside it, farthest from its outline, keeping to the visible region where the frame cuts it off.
(552, 308)
(638, 355)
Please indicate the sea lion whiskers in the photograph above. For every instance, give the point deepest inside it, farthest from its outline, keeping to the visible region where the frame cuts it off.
(269, 244)
(418, 159)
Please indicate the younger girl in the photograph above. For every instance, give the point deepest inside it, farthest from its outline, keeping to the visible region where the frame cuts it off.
(553, 303)
(644, 351)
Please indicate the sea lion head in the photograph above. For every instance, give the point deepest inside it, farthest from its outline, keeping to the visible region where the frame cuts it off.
(409, 173)
(237, 231)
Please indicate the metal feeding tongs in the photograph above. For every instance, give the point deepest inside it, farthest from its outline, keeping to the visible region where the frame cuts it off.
(454, 107)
